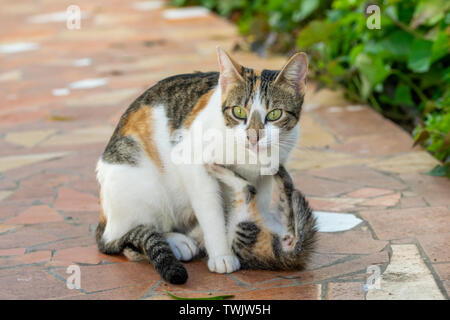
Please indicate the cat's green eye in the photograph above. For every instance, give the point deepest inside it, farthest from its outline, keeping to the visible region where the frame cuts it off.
(274, 115)
(239, 113)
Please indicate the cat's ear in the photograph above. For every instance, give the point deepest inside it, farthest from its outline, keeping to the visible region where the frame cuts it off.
(294, 72)
(230, 70)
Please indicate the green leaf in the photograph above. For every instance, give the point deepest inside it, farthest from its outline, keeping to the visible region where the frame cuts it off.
(429, 12)
(446, 75)
(356, 50)
(434, 77)
(335, 69)
(306, 8)
(373, 71)
(437, 171)
(403, 95)
(315, 32)
(179, 2)
(374, 48)
(391, 11)
(420, 55)
(445, 143)
(398, 43)
(405, 10)
(421, 137)
(207, 298)
(440, 46)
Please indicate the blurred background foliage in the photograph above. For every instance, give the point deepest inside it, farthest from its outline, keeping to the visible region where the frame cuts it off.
(402, 69)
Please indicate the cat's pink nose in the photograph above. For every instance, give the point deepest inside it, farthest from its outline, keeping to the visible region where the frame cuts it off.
(253, 137)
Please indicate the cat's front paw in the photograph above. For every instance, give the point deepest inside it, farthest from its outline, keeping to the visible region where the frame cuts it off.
(224, 264)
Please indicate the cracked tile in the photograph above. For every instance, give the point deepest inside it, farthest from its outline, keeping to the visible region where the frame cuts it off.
(36, 214)
(406, 278)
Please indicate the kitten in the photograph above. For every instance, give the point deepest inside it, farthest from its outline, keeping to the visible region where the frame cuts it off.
(254, 240)
(149, 202)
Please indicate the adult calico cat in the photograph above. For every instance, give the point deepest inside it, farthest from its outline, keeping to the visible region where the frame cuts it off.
(150, 203)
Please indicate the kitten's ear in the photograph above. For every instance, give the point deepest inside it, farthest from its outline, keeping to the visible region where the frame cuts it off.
(230, 70)
(294, 72)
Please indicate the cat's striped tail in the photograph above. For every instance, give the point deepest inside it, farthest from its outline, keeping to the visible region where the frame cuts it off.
(146, 240)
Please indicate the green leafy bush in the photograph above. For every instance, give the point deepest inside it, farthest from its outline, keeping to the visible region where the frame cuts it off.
(401, 69)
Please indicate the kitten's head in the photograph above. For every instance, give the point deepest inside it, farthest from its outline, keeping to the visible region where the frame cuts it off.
(256, 103)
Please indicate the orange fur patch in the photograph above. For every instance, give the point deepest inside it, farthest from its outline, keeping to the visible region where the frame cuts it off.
(238, 203)
(253, 209)
(263, 246)
(140, 125)
(199, 106)
(239, 200)
(102, 214)
(258, 80)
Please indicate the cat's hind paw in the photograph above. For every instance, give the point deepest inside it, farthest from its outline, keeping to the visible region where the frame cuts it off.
(183, 247)
(224, 264)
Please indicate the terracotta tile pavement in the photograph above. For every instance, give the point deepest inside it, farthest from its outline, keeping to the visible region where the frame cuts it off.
(349, 160)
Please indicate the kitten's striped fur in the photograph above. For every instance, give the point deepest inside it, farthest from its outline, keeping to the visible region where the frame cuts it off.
(258, 246)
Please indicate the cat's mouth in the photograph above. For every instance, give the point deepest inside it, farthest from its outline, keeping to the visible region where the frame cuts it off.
(256, 148)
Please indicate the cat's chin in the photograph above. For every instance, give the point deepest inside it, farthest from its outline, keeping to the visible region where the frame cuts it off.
(247, 167)
(256, 148)
(250, 172)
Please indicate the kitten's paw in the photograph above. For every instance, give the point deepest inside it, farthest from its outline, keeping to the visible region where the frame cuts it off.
(214, 168)
(183, 247)
(224, 264)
